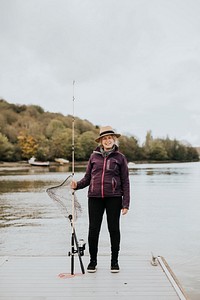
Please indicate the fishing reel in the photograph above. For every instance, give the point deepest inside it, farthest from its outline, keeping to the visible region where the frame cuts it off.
(80, 250)
(81, 246)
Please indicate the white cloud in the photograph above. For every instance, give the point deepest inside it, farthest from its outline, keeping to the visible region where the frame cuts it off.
(136, 62)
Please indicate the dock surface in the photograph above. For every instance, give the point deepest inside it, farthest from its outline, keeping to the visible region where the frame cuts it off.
(46, 278)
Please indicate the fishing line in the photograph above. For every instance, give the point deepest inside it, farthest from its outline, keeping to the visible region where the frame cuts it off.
(66, 200)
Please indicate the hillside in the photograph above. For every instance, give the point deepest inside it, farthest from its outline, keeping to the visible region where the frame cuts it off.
(27, 130)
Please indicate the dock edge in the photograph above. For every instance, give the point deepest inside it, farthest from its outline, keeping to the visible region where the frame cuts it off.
(172, 278)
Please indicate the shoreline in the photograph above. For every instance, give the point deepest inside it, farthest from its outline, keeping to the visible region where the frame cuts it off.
(79, 166)
(83, 163)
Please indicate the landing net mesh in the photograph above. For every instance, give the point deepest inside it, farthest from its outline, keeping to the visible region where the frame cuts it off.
(65, 198)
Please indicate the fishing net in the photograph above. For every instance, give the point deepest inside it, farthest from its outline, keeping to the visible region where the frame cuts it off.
(65, 198)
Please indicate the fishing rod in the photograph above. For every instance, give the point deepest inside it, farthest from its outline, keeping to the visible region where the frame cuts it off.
(64, 197)
(80, 246)
(73, 128)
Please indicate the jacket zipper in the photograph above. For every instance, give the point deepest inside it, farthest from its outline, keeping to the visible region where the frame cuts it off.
(102, 177)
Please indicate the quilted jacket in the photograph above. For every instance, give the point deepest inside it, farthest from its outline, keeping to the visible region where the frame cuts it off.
(107, 176)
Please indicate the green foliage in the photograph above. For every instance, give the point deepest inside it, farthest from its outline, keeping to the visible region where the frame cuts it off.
(6, 149)
(27, 131)
(129, 146)
(55, 127)
(14, 107)
(168, 150)
(85, 145)
(60, 144)
(157, 151)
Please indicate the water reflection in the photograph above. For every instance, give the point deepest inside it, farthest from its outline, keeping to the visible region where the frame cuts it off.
(23, 200)
(160, 169)
(27, 209)
(33, 170)
(12, 186)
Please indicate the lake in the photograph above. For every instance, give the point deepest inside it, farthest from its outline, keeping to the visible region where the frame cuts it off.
(164, 217)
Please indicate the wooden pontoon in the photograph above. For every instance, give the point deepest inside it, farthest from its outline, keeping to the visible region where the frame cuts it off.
(37, 278)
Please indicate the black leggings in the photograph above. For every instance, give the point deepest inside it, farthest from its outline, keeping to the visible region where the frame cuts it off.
(96, 208)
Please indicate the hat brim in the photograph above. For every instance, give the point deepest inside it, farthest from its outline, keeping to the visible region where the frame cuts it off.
(115, 134)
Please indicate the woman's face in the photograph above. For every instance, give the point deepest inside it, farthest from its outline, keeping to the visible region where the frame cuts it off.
(107, 142)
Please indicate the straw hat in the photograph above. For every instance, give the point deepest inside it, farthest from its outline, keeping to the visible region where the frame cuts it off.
(106, 130)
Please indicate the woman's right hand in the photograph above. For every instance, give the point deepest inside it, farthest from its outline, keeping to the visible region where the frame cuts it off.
(73, 185)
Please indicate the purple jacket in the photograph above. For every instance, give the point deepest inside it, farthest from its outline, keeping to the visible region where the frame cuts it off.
(107, 176)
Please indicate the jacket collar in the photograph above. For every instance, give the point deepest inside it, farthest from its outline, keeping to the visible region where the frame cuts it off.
(99, 151)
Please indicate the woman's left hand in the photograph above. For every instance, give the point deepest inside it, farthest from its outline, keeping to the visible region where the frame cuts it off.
(124, 211)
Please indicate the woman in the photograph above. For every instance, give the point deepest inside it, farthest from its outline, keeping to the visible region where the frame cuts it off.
(108, 180)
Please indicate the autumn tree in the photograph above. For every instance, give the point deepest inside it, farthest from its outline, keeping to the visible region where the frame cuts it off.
(28, 145)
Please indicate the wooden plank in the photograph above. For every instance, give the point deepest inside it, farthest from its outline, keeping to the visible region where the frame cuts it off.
(36, 278)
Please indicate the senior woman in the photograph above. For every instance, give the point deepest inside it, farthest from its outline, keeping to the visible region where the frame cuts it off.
(108, 179)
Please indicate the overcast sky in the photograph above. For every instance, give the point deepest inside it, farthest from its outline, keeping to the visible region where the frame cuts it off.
(136, 63)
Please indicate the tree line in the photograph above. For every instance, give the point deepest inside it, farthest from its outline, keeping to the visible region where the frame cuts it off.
(27, 130)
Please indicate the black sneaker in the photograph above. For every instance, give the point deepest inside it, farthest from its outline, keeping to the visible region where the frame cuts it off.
(92, 266)
(114, 267)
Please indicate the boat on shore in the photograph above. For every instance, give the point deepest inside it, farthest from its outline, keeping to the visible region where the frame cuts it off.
(61, 161)
(33, 162)
(131, 165)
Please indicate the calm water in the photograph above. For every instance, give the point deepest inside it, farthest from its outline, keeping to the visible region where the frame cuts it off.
(163, 218)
